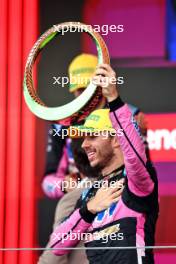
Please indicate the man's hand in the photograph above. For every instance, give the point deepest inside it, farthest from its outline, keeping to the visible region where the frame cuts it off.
(105, 196)
(106, 78)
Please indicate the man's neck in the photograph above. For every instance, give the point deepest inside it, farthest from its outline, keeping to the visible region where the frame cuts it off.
(114, 165)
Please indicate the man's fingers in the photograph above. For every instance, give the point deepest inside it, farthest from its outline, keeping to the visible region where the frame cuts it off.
(101, 71)
(106, 67)
(97, 80)
(113, 189)
(115, 186)
(116, 200)
(116, 194)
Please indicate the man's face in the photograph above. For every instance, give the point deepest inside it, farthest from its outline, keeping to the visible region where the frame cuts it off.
(99, 150)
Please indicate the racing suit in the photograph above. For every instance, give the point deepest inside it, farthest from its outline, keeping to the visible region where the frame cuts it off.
(131, 220)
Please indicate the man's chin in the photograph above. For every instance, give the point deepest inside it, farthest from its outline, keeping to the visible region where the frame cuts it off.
(93, 163)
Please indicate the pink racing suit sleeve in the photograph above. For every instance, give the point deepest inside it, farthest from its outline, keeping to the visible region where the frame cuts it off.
(70, 232)
(52, 183)
(133, 148)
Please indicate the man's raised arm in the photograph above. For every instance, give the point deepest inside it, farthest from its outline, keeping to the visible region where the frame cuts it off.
(139, 180)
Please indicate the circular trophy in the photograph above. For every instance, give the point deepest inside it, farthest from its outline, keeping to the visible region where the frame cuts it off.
(78, 109)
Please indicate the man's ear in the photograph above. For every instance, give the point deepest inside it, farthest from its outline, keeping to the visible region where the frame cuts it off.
(115, 142)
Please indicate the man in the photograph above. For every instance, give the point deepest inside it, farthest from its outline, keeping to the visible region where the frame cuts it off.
(60, 166)
(121, 215)
(59, 160)
(66, 205)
